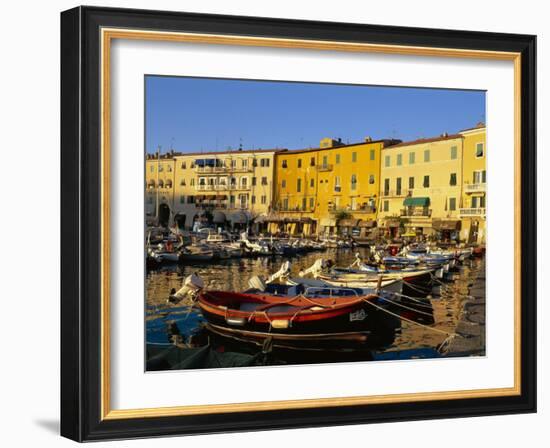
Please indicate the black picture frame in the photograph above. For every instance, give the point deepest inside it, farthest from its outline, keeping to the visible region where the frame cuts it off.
(81, 224)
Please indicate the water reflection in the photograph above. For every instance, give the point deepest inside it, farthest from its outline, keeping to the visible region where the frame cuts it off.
(182, 324)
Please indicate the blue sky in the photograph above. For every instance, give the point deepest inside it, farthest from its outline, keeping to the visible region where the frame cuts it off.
(198, 114)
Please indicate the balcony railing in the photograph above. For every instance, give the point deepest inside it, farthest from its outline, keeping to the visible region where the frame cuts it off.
(214, 187)
(472, 212)
(358, 209)
(396, 193)
(474, 188)
(324, 167)
(223, 169)
(416, 211)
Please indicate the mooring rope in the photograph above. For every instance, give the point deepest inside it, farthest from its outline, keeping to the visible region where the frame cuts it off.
(437, 330)
(404, 306)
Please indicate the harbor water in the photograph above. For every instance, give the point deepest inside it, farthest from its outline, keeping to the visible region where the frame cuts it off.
(452, 303)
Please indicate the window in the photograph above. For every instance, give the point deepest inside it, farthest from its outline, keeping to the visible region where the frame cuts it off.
(264, 180)
(386, 187)
(452, 181)
(452, 204)
(354, 156)
(426, 183)
(283, 164)
(325, 161)
(412, 157)
(254, 163)
(299, 163)
(233, 181)
(371, 179)
(398, 186)
(245, 163)
(312, 183)
(411, 183)
(337, 187)
(337, 159)
(479, 150)
(182, 199)
(399, 159)
(283, 183)
(169, 168)
(353, 182)
(263, 199)
(372, 154)
(479, 177)
(192, 183)
(482, 201)
(304, 203)
(253, 199)
(454, 152)
(311, 203)
(387, 161)
(312, 161)
(244, 182)
(190, 199)
(232, 199)
(298, 185)
(160, 168)
(475, 202)
(183, 166)
(254, 181)
(152, 168)
(386, 206)
(427, 155)
(285, 204)
(182, 183)
(233, 164)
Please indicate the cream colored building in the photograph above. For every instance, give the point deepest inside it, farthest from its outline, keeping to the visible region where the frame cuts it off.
(421, 187)
(232, 189)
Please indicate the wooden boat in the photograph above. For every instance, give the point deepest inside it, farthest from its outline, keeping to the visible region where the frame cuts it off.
(197, 254)
(299, 321)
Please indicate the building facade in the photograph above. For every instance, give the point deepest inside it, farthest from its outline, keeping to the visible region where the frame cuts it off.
(227, 189)
(421, 187)
(472, 210)
(327, 190)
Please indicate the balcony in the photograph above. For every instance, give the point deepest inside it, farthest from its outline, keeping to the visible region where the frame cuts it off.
(469, 212)
(474, 188)
(324, 167)
(396, 193)
(213, 187)
(416, 212)
(214, 170)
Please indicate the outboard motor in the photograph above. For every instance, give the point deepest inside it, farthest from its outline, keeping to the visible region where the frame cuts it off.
(191, 286)
(257, 282)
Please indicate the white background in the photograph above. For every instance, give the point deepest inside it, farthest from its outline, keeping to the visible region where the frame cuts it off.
(132, 388)
(29, 222)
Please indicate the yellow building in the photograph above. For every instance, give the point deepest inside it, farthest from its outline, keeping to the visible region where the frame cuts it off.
(421, 187)
(159, 188)
(333, 188)
(472, 210)
(233, 188)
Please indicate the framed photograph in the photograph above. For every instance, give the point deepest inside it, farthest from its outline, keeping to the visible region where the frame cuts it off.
(274, 223)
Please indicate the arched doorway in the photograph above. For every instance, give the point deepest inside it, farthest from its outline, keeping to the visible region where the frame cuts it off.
(164, 215)
(179, 221)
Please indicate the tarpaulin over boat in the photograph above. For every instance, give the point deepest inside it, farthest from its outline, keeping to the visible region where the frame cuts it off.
(416, 202)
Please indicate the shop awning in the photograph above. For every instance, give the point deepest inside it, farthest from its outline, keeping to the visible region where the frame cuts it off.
(446, 224)
(416, 202)
(218, 217)
(392, 223)
(348, 223)
(239, 218)
(367, 223)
